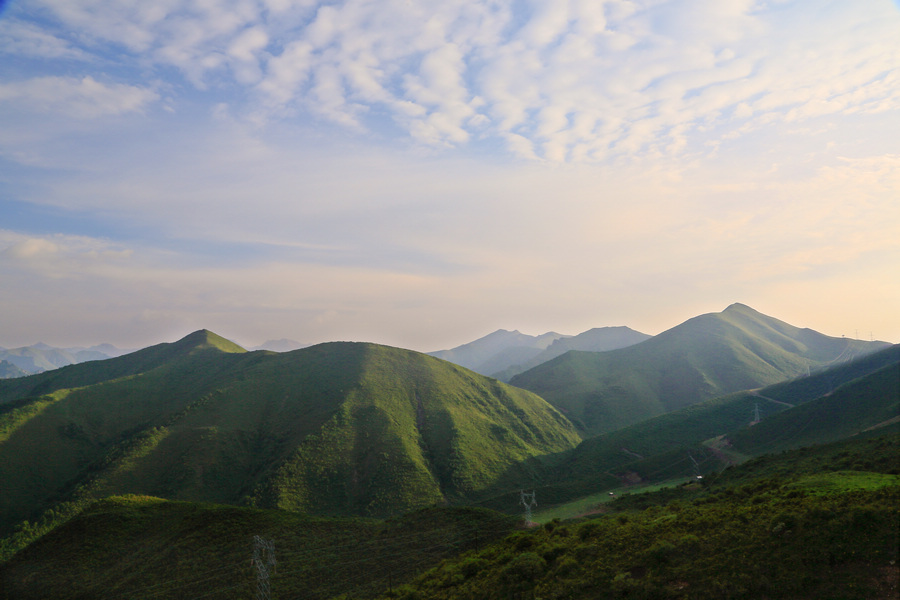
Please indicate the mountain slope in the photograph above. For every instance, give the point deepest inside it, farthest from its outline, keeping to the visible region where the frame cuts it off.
(707, 356)
(145, 548)
(860, 395)
(340, 428)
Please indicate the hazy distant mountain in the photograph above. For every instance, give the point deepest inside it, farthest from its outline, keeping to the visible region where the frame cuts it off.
(40, 357)
(598, 339)
(338, 428)
(8, 370)
(282, 345)
(707, 356)
(498, 351)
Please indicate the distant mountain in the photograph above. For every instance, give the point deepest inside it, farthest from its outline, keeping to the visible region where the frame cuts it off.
(41, 357)
(338, 428)
(498, 351)
(599, 339)
(282, 345)
(8, 370)
(704, 357)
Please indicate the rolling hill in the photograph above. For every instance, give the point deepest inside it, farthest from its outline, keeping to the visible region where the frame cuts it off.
(338, 428)
(707, 356)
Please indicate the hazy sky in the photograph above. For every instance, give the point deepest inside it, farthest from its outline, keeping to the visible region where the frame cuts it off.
(420, 173)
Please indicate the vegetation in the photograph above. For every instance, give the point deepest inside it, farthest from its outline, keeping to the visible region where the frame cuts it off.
(340, 429)
(140, 547)
(358, 429)
(746, 534)
(705, 357)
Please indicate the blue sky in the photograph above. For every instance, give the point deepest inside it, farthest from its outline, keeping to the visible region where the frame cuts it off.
(421, 173)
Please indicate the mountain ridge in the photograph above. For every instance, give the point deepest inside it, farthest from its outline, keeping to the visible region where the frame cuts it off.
(337, 428)
(706, 356)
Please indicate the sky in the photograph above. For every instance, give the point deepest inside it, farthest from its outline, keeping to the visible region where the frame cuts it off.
(420, 173)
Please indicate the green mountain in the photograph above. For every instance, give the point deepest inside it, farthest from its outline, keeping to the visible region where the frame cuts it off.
(830, 405)
(339, 428)
(708, 356)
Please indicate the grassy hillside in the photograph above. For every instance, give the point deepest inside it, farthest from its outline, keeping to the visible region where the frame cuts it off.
(872, 401)
(337, 428)
(145, 548)
(810, 533)
(820, 522)
(705, 357)
(718, 432)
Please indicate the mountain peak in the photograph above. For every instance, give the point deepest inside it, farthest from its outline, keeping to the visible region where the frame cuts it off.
(738, 307)
(204, 338)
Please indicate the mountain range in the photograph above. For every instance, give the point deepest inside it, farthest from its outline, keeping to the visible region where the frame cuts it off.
(707, 356)
(503, 354)
(338, 428)
(41, 357)
(148, 446)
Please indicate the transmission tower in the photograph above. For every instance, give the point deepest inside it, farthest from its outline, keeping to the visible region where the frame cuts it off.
(696, 467)
(756, 413)
(264, 561)
(528, 501)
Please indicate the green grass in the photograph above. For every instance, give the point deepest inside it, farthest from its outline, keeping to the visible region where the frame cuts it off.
(844, 481)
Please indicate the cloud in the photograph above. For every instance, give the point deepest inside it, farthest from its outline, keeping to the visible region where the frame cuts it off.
(578, 80)
(24, 39)
(84, 98)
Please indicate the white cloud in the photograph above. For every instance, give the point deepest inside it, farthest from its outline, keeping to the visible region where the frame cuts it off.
(84, 98)
(579, 79)
(28, 40)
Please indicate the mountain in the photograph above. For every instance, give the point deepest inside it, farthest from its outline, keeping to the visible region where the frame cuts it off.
(836, 403)
(8, 370)
(282, 345)
(498, 351)
(704, 357)
(337, 428)
(41, 357)
(598, 339)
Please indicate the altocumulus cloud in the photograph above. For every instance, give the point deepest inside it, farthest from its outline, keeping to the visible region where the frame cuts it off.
(83, 98)
(562, 80)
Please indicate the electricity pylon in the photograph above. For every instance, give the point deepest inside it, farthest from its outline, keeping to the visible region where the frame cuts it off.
(264, 561)
(528, 501)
